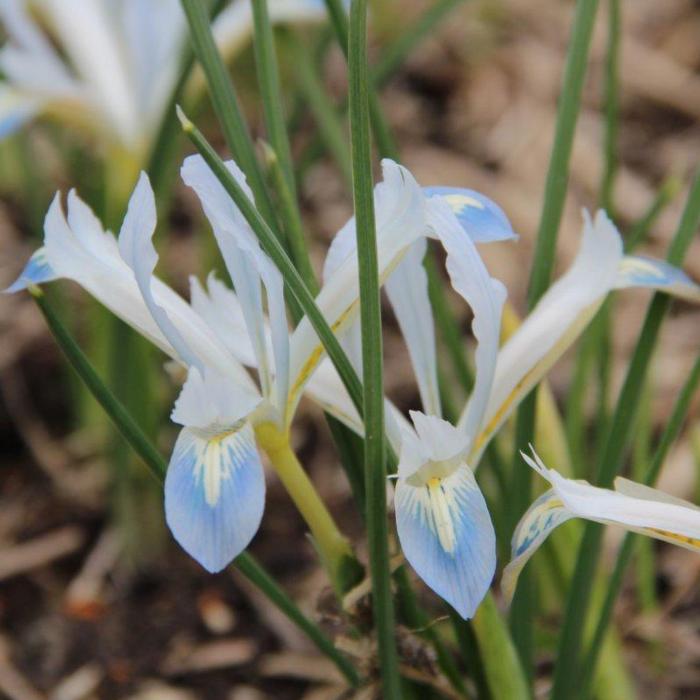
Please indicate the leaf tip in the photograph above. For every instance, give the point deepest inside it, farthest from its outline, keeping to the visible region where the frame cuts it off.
(187, 125)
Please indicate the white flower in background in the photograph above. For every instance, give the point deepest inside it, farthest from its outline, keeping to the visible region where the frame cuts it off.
(443, 524)
(635, 507)
(214, 488)
(109, 65)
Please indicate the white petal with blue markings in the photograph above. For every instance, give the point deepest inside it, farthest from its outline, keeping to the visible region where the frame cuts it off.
(634, 506)
(640, 271)
(482, 219)
(36, 271)
(215, 494)
(447, 536)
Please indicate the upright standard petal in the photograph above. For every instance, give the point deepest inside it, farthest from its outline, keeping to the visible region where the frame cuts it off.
(137, 251)
(248, 266)
(400, 214)
(565, 310)
(553, 325)
(484, 294)
(218, 305)
(407, 289)
(215, 485)
(447, 536)
(480, 217)
(633, 506)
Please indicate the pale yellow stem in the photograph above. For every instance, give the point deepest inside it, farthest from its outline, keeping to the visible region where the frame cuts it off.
(333, 547)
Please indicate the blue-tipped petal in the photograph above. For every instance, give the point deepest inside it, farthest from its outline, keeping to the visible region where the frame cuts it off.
(448, 538)
(482, 219)
(36, 271)
(215, 495)
(640, 271)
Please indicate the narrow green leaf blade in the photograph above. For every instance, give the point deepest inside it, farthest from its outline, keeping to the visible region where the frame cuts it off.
(372, 363)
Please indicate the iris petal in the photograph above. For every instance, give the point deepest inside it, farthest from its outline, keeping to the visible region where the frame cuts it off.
(407, 289)
(635, 507)
(543, 516)
(214, 495)
(640, 271)
(36, 271)
(448, 538)
(482, 219)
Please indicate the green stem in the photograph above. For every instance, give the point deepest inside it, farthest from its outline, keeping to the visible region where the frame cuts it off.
(385, 142)
(225, 101)
(611, 456)
(333, 547)
(409, 38)
(322, 109)
(503, 670)
(545, 247)
(270, 92)
(639, 231)
(372, 364)
(296, 241)
(157, 467)
(612, 108)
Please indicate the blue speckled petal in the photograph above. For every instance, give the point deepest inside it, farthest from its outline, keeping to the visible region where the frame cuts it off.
(640, 271)
(480, 217)
(36, 271)
(215, 495)
(448, 538)
(543, 516)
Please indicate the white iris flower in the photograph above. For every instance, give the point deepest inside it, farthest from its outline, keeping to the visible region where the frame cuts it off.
(214, 489)
(633, 506)
(109, 65)
(442, 520)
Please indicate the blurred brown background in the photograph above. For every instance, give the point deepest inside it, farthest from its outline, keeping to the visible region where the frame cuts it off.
(473, 106)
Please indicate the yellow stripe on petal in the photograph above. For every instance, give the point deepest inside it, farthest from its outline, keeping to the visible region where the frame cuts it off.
(440, 508)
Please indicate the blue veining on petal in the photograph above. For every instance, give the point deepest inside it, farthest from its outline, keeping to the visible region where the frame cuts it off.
(545, 514)
(641, 271)
(463, 575)
(36, 271)
(482, 219)
(215, 495)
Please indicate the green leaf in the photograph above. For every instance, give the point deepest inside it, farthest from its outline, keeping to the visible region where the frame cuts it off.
(540, 276)
(372, 363)
(226, 103)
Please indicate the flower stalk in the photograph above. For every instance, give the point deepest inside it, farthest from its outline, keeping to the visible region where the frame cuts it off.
(333, 547)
